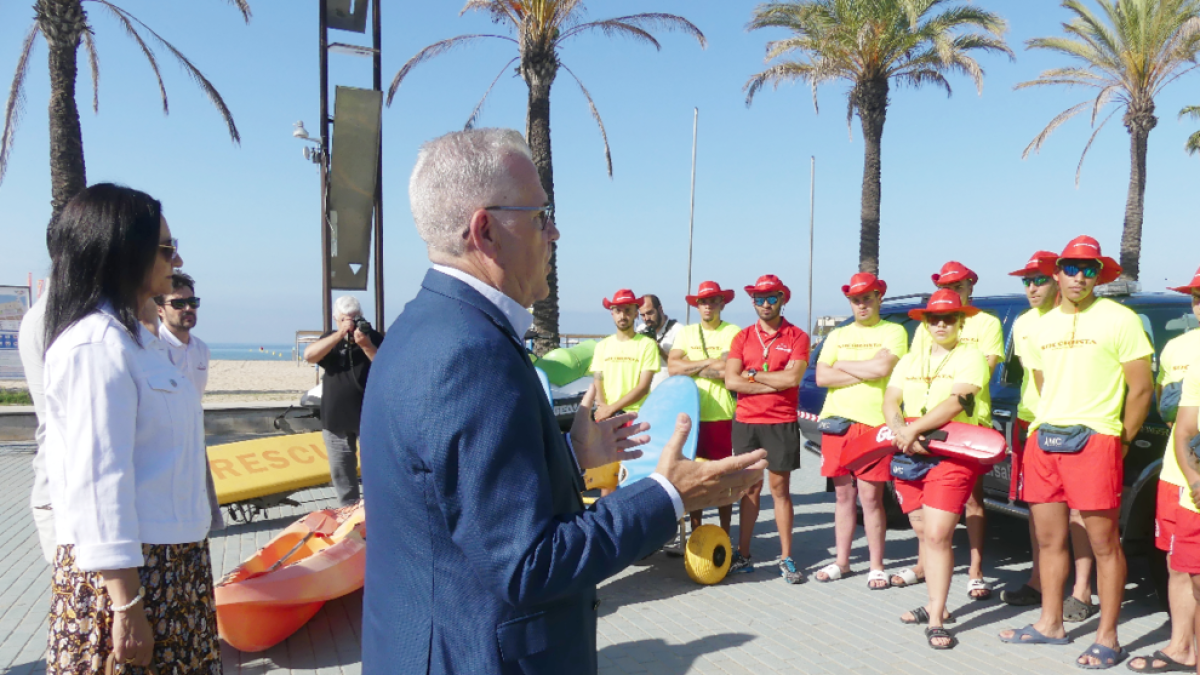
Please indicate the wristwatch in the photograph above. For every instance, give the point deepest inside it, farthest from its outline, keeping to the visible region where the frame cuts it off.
(751, 373)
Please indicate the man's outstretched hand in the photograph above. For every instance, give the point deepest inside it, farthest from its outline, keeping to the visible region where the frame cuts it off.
(605, 442)
(707, 484)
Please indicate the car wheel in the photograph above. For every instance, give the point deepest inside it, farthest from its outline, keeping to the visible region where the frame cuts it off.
(1159, 576)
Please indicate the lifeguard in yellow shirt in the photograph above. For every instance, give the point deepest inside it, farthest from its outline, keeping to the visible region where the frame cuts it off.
(1185, 552)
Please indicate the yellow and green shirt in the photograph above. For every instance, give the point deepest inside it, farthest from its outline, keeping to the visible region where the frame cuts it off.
(716, 402)
(1190, 399)
(861, 402)
(1022, 332)
(1177, 356)
(621, 364)
(927, 382)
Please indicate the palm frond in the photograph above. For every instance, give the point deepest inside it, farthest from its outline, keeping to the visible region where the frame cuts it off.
(777, 74)
(612, 28)
(499, 11)
(595, 115)
(479, 106)
(645, 23)
(436, 49)
(1102, 100)
(1192, 111)
(243, 6)
(131, 31)
(1036, 144)
(1092, 139)
(16, 98)
(89, 45)
(1193, 144)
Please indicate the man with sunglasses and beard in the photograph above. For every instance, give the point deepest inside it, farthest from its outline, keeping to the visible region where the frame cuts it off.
(177, 315)
(1094, 360)
(765, 366)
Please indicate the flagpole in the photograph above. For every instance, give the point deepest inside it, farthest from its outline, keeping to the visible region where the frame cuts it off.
(692, 212)
(812, 184)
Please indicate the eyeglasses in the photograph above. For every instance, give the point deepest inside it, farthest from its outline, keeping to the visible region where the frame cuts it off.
(545, 213)
(170, 249)
(1089, 269)
(1039, 280)
(180, 303)
(935, 319)
(771, 300)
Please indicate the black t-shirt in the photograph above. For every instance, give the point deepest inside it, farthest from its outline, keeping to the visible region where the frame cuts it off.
(346, 369)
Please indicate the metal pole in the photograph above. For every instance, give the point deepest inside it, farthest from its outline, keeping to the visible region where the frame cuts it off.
(322, 45)
(377, 43)
(812, 184)
(692, 213)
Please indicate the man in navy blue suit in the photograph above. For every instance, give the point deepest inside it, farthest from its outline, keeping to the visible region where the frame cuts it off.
(483, 558)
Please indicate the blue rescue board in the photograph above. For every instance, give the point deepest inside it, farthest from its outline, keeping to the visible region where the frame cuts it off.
(545, 380)
(674, 395)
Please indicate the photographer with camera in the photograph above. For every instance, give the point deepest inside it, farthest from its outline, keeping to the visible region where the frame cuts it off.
(345, 355)
(661, 329)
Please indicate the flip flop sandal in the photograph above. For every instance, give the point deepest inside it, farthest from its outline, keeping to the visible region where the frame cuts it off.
(878, 575)
(1031, 636)
(1107, 656)
(907, 578)
(1024, 596)
(1076, 610)
(1170, 665)
(921, 616)
(932, 634)
(832, 573)
(979, 585)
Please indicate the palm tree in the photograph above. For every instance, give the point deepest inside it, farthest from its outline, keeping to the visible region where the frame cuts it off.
(871, 45)
(65, 25)
(1193, 142)
(541, 27)
(1127, 53)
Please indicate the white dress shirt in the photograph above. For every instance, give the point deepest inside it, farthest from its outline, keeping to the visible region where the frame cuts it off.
(124, 445)
(190, 358)
(521, 320)
(31, 343)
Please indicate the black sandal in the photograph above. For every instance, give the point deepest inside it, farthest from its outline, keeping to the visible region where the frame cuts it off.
(921, 616)
(1024, 596)
(1077, 611)
(935, 633)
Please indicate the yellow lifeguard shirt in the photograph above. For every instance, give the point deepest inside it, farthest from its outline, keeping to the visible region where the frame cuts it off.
(983, 332)
(716, 402)
(1080, 356)
(1190, 399)
(927, 382)
(1177, 356)
(621, 364)
(861, 402)
(1022, 331)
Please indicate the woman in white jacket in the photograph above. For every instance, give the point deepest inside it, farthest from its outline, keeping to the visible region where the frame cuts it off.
(124, 452)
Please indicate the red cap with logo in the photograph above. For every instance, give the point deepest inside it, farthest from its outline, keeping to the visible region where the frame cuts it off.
(954, 272)
(943, 301)
(622, 297)
(863, 283)
(1189, 289)
(1084, 247)
(769, 283)
(710, 289)
(1033, 267)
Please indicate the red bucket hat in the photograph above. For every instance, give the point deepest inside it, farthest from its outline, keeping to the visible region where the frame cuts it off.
(1189, 289)
(769, 283)
(1084, 247)
(954, 272)
(943, 301)
(864, 282)
(622, 297)
(1034, 265)
(710, 289)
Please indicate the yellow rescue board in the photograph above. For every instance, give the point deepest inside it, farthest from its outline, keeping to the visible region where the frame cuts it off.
(267, 466)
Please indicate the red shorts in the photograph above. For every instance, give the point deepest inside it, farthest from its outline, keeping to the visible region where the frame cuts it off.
(831, 457)
(946, 487)
(715, 440)
(1185, 549)
(1166, 515)
(1088, 480)
(1016, 487)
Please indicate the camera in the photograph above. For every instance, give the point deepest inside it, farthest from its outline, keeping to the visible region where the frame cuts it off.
(362, 324)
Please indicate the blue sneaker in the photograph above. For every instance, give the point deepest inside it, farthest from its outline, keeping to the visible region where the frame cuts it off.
(787, 569)
(740, 564)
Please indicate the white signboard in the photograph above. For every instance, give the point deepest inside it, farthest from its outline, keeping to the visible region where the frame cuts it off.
(14, 302)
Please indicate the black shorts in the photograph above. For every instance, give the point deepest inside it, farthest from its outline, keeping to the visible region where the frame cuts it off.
(781, 441)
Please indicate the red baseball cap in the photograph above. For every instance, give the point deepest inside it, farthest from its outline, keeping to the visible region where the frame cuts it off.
(769, 283)
(954, 272)
(1084, 247)
(943, 301)
(863, 283)
(710, 289)
(1034, 265)
(1189, 289)
(622, 297)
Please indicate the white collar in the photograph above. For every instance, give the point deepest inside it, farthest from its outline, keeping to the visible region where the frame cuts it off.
(518, 317)
(168, 337)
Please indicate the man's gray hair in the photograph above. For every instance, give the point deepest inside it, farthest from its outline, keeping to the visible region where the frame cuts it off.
(346, 305)
(456, 175)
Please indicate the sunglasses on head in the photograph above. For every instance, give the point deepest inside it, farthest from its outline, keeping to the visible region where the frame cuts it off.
(1090, 269)
(1039, 280)
(180, 303)
(169, 249)
(771, 300)
(948, 319)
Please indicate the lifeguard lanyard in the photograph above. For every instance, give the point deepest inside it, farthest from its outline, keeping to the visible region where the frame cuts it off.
(929, 378)
(766, 345)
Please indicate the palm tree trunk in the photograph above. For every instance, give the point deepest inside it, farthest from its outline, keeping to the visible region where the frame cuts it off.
(871, 99)
(539, 69)
(62, 22)
(1139, 122)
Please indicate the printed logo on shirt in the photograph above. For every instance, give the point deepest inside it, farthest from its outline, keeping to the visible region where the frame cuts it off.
(929, 380)
(862, 345)
(622, 359)
(783, 348)
(1070, 344)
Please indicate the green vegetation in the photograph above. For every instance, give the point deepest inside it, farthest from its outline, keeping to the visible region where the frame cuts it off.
(15, 397)
(1193, 141)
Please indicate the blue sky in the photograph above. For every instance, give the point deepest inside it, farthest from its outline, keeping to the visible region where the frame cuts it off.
(954, 183)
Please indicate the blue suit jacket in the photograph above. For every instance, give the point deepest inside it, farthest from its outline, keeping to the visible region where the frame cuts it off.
(481, 557)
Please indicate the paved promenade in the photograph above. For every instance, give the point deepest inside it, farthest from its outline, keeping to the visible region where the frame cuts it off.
(653, 619)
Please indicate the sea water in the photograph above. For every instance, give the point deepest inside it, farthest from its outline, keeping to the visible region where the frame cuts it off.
(228, 351)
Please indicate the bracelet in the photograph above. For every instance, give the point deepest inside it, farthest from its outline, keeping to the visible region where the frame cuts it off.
(138, 598)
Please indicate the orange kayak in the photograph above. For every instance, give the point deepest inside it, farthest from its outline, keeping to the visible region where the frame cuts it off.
(277, 590)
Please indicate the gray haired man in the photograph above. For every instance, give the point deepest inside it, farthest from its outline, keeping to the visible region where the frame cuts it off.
(345, 355)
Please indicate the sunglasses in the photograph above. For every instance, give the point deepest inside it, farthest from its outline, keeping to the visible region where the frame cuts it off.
(1039, 280)
(935, 319)
(170, 249)
(1090, 270)
(180, 303)
(771, 300)
(545, 213)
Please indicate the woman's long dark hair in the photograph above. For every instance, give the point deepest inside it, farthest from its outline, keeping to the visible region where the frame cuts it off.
(102, 246)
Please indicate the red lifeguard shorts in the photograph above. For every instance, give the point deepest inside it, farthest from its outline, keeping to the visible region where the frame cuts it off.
(1016, 486)
(1166, 515)
(946, 487)
(831, 457)
(715, 440)
(1088, 480)
(1185, 549)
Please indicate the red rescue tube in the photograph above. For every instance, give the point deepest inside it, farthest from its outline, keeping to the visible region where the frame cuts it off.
(955, 439)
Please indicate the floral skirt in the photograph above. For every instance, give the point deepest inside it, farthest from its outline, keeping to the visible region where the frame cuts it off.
(179, 604)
